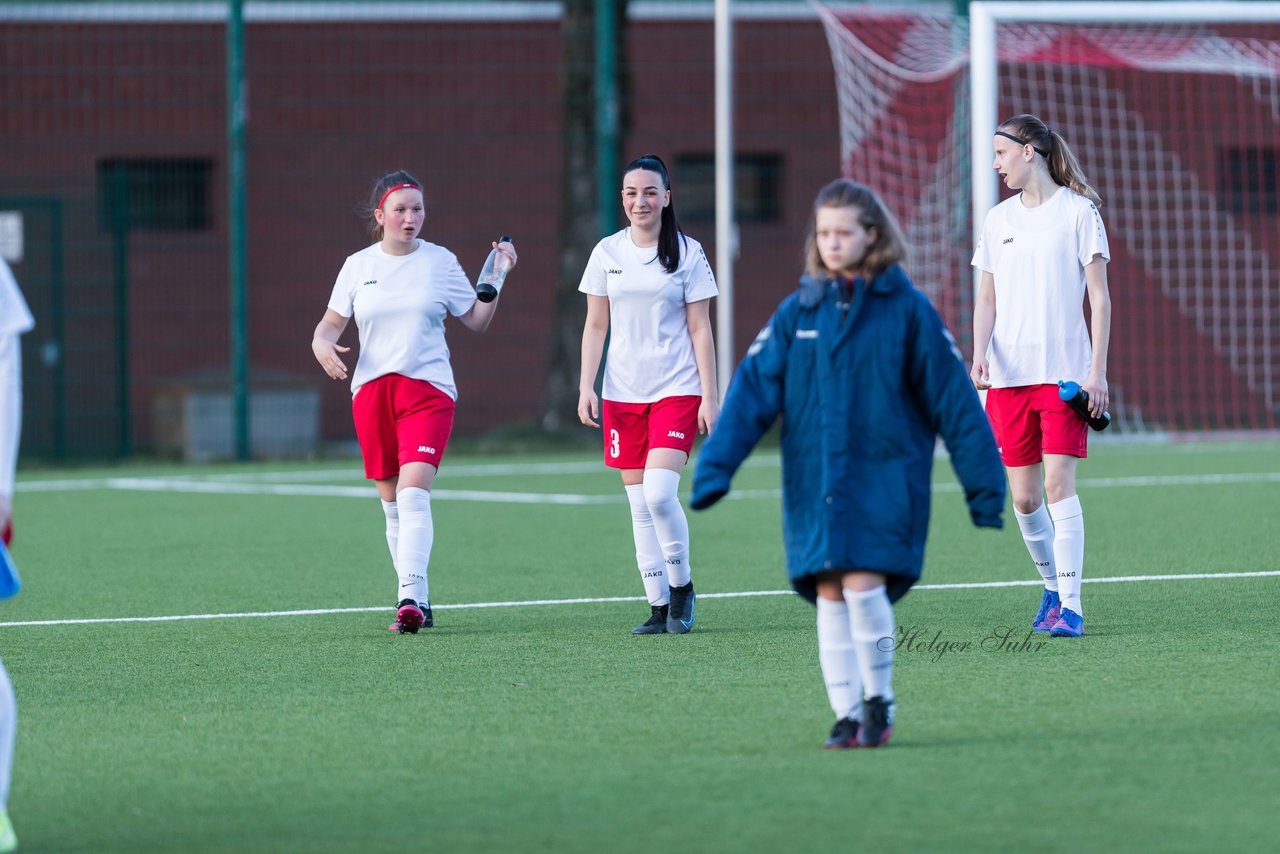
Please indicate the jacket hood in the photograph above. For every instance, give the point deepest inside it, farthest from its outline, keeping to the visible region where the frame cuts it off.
(813, 289)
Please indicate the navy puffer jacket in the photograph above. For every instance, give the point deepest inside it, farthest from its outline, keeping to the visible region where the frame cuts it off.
(865, 379)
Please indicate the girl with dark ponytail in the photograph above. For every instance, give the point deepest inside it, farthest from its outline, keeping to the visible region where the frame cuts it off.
(649, 288)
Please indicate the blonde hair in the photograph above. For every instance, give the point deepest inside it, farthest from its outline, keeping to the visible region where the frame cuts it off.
(888, 247)
(1064, 168)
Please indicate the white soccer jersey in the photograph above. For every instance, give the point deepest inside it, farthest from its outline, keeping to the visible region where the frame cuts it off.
(650, 349)
(15, 317)
(400, 303)
(1037, 258)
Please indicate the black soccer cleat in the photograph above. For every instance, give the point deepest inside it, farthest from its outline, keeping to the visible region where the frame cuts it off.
(844, 735)
(877, 722)
(680, 615)
(656, 624)
(428, 620)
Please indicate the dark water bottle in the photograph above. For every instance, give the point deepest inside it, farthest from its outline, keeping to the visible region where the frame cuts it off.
(493, 273)
(1078, 399)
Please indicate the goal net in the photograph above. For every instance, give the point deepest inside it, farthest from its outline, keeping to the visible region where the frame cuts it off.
(1177, 125)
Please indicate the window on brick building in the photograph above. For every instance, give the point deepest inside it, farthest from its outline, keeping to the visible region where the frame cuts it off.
(155, 194)
(1250, 179)
(757, 184)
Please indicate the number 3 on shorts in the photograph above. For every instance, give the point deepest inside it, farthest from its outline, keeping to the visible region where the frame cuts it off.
(614, 449)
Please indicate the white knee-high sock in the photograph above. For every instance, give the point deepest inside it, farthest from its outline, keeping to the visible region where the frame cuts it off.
(392, 511)
(839, 664)
(1037, 533)
(649, 558)
(10, 409)
(413, 548)
(871, 621)
(1068, 549)
(669, 522)
(8, 731)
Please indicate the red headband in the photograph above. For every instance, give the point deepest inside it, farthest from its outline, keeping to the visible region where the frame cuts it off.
(393, 189)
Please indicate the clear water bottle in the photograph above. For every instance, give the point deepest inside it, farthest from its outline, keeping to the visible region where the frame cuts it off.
(494, 273)
(1078, 399)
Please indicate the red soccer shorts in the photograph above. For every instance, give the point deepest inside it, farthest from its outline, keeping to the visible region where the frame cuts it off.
(400, 420)
(1031, 420)
(631, 430)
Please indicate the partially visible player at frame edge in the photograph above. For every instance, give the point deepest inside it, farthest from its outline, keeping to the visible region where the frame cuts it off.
(15, 319)
(649, 287)
(865, 377)
(400, 290)
(1040, 252)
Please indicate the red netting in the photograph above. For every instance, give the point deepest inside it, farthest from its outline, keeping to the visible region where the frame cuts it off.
(1175, 125)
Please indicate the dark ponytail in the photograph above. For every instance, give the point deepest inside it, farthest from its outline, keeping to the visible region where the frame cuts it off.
(669, 234)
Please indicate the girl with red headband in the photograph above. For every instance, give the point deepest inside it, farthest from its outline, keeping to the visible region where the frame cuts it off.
(400, 290)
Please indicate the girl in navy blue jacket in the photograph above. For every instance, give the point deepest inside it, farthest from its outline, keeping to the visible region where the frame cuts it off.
(865, 377)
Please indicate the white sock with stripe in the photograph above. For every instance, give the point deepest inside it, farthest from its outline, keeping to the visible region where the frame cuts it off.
(413, 546)
(1037, 533)
(669, 522)
(1068, 549)
(839, 664)
(871, 621)
(648, 551)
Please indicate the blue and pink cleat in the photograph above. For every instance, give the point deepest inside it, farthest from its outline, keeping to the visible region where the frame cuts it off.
(1050, 611)
(1069, 625)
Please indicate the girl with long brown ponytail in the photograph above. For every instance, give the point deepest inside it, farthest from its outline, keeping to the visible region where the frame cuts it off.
(1041, 251)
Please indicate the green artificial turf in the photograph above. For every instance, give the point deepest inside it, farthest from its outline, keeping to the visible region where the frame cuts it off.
(548, 727)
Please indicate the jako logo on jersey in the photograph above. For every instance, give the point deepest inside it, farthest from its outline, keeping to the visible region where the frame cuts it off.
(614, 272)
(674, 434)
(370, 282)
(423, 449)
(1006, 241)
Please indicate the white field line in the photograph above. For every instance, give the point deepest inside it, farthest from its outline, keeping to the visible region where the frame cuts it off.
(975, 585)
(228, 487)
(142, 484)
(449, 472)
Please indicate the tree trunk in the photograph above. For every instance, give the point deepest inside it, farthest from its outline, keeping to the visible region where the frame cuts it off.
(579, 220)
